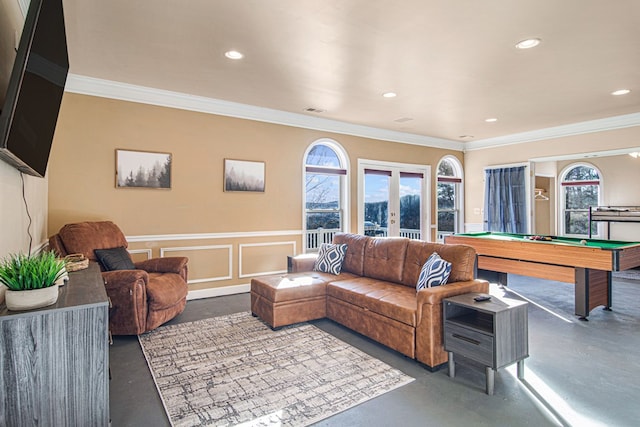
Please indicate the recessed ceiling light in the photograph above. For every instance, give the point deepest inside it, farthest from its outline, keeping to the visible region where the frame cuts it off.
(620, 92)
(528, 43)
(491, 120)
(233, 54)
(389, 94)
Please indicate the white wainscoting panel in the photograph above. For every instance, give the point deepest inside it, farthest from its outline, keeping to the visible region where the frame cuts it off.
(140, 251)
(228, 248)
(241, 247)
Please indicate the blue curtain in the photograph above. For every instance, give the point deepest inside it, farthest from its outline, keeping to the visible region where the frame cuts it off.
(505, 204)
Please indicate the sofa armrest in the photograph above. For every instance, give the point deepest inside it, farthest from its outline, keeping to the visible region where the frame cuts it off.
(176, 265)
(127, 292)
(301, 263)
(436, 294)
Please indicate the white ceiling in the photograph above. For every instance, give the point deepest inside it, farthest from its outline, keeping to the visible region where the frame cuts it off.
(452, 63)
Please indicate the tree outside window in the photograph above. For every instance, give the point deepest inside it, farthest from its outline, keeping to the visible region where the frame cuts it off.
(324, 174)
(448, 205)
(581, 189)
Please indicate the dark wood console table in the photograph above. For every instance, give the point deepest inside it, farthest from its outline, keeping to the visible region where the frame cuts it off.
(54, 361)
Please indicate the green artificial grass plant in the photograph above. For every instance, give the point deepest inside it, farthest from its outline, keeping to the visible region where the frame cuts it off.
(22, 272)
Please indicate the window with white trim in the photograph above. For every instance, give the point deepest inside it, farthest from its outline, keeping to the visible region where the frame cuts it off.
(449, 190)
(580, 187)
(325, 201)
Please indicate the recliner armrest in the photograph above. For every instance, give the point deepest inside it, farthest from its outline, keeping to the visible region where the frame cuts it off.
(118, 278)
(176, 265)
(127, 292)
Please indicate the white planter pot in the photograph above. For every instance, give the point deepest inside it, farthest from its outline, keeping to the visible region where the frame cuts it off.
(28, 300)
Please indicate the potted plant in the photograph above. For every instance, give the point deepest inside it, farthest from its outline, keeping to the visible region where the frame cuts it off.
(31, 280)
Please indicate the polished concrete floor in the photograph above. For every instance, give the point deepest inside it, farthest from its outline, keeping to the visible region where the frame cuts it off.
(578, 373)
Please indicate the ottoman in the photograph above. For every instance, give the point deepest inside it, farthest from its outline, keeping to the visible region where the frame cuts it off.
(285, 299)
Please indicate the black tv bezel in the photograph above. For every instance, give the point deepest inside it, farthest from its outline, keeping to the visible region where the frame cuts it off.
(14, 90)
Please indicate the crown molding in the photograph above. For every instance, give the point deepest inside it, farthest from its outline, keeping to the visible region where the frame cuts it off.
(591, 126)
(127, 92)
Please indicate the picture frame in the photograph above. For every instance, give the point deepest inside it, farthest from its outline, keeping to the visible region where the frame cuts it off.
(143, 169)
(244, 176)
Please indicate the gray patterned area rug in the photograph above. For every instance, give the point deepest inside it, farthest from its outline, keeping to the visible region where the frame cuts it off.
(234, 370)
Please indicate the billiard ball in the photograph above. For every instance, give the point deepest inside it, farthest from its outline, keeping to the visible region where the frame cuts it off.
(583, 242)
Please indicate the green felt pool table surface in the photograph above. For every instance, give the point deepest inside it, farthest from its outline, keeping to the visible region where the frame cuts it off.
(587, 263)
(594, 243)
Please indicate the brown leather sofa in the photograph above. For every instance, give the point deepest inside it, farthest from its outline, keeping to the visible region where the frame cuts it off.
(141, 299)
(375, 293)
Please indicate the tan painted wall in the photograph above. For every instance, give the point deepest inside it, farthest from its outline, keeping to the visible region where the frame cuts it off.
(620, 173)
(82, 167)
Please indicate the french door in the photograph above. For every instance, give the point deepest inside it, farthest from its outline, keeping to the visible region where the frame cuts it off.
(393, 199)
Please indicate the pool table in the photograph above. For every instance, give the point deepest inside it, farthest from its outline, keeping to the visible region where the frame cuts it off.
(587, 263)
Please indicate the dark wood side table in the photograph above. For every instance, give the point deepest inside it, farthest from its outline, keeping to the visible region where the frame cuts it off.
(493, 333)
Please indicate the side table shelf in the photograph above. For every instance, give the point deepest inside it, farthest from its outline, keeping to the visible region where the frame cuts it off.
(493, 333)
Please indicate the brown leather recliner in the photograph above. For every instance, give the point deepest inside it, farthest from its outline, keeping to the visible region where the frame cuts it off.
(142, 299)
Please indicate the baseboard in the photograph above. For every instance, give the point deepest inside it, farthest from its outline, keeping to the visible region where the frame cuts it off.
(218, 292)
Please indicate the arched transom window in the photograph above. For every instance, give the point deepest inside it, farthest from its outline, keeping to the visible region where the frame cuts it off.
(580, 185)
(325, 172)
(449, 196)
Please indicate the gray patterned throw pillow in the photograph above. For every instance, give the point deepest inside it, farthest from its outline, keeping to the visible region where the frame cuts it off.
(330, 258)
(435, 272)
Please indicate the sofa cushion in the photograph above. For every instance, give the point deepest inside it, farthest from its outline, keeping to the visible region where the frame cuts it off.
(290, 287)
(354, 259)
(384, 298)
(461, 257)
(384, 258)
(330, 258)
(435, 272)
(114, 259)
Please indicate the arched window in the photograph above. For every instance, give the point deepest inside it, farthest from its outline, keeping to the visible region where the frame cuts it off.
(580, 188)
(325, 192)
(449, 197)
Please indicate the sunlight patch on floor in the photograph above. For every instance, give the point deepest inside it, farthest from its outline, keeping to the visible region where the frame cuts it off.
(556, 405)
(506, 291)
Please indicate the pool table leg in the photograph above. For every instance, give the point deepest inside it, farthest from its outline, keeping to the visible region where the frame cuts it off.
(592, 289)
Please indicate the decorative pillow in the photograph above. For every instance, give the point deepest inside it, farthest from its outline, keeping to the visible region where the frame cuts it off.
(330, 258)
(435, 272)
(115, 259)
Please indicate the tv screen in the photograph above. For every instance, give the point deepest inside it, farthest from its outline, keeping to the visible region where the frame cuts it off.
(34, 89)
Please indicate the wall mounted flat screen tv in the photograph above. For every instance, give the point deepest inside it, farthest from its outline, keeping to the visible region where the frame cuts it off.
(31, 94)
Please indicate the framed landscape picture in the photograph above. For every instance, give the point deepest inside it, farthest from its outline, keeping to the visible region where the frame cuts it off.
(243, 175)
(143, 169)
